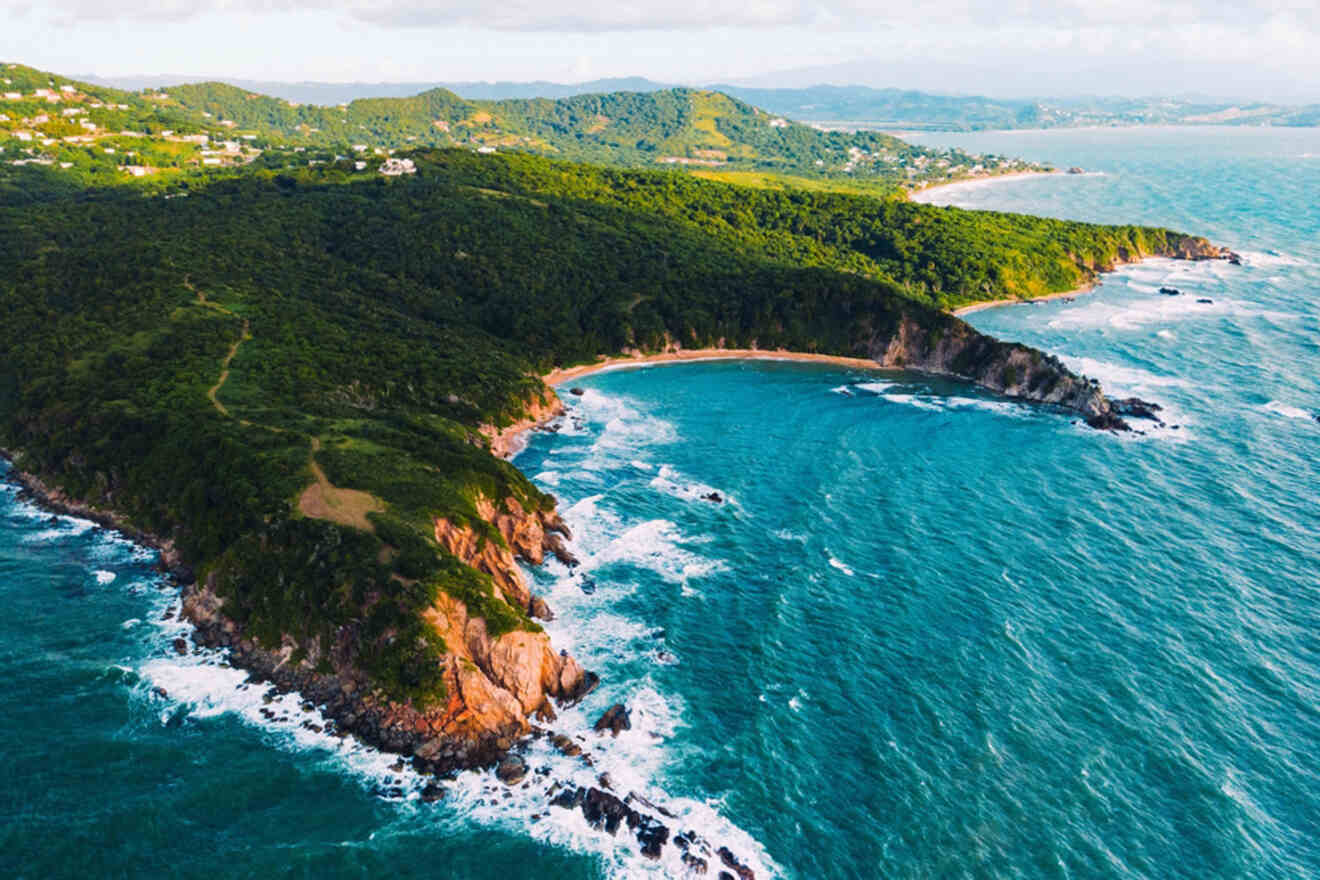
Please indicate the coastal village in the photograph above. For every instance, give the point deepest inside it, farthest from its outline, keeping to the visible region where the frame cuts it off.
(105, 136)
(60, 125)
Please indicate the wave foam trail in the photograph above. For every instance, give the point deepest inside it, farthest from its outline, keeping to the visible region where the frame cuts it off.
(1286, 410)
(620, 428)
(874, 387)
(841, 566)
(1269, 259)
(1116, 377)
(671, 482)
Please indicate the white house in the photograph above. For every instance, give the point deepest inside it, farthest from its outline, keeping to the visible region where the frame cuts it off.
(395, 167)
(67, 89)
(23, 135)
(13, 96)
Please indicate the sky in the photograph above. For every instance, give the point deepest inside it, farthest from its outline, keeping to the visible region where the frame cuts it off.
(1257, 49)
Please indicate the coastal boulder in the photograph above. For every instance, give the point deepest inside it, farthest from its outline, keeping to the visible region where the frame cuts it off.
(1137, 408)
(511, 770)
(614, 720)
(731, 861)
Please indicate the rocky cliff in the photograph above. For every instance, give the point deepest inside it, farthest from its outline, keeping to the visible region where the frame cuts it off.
(1176, 246)
(495, 686)
(526, 534)
(954, 348)
(507, 441)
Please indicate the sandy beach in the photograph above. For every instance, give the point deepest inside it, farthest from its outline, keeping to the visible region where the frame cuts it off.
(512, 440)
(993, 303)
(559, 376)
(921, 193)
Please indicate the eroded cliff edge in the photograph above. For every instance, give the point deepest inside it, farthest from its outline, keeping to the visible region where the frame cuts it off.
(495, 685)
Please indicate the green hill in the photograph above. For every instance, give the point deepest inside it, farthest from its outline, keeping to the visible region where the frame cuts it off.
(98, 135)
(681, 127)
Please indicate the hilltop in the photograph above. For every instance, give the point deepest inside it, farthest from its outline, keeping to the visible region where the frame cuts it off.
(840, 104)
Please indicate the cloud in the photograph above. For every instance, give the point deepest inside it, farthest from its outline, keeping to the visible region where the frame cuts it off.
(594, 16)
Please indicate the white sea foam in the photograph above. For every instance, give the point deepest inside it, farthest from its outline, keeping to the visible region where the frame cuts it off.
(1129, 315)
(1280, 408)
(841, 566)
(956, 403)
(1120, 377)
(1165, 334)
(842, 389)
(671, 482)
(874, 387)
(1000, 407)
(205, 687)
(64, 526)
(620, 428)
(912, 400)
(104, 577)
(1271, 259)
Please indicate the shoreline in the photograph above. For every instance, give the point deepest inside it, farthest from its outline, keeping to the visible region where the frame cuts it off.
(967, 181)
(560, 375)
(345, 712)
(513, 440)
(996, 303)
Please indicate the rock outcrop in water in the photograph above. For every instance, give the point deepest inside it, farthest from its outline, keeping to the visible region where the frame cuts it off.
(1010, 369)
(1176, 247)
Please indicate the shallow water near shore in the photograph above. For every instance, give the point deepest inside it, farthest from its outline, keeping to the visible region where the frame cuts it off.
(923, 633)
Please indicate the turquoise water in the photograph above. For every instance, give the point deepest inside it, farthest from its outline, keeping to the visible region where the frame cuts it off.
(925, 634)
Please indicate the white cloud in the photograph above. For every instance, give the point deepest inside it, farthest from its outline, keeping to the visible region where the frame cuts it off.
(589, 16)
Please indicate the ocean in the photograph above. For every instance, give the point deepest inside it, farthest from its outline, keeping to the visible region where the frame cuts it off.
(923, 633)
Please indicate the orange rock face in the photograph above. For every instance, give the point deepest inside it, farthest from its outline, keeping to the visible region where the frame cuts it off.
(518, 669)
(529, 534)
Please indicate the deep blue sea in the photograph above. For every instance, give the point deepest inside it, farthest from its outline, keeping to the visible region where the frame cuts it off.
(925, 634)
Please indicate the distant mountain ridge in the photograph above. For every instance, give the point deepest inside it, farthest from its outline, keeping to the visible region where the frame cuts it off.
(824, 103)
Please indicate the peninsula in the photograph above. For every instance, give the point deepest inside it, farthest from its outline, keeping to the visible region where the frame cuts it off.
(293, 384)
